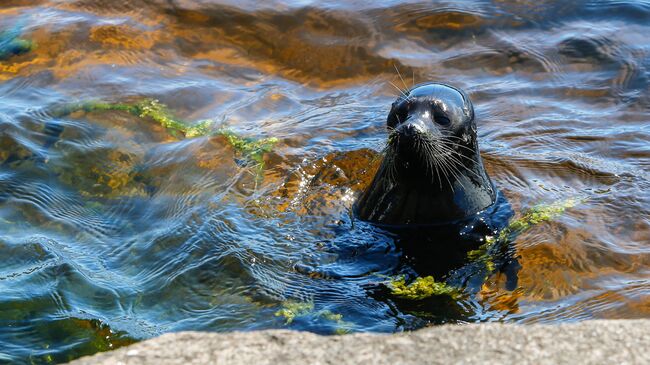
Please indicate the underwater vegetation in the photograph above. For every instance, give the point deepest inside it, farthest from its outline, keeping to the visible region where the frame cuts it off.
(11, 43)
(247, 148)
(425, 287)
(422, 288)
(533, 216)
(292, 310)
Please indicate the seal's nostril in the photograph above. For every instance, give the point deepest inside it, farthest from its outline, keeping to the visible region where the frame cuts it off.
(408, 129)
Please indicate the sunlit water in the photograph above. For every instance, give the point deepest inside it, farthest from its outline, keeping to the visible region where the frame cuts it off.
(113, 230)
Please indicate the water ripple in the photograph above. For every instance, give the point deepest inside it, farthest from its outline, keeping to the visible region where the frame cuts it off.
(115, 230)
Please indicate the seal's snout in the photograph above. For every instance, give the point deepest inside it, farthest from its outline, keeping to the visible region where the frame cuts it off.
(413, 126)
(412, 138)
(409, 130)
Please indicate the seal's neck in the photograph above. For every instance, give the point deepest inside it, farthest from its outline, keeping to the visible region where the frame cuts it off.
(402, 194)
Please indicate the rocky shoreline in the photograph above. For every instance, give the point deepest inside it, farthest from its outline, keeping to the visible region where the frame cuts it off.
(589, 342)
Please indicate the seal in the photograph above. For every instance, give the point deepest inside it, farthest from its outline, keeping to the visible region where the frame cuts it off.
(431, 172)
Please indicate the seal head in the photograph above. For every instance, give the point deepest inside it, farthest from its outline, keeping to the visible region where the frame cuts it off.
(432, 172)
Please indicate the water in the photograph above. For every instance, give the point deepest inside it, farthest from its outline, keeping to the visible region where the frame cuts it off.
(113, 230)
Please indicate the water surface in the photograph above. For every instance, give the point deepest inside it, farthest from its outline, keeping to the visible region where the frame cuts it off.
(112, 229)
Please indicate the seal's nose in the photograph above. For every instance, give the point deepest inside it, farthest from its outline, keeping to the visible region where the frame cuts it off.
(409, 129)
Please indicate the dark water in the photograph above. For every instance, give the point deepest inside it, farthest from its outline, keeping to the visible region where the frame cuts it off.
(114, 230)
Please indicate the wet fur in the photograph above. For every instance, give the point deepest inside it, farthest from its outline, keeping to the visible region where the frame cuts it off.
(430, 178)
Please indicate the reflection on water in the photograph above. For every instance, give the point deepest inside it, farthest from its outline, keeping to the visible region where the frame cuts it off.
(113, 229)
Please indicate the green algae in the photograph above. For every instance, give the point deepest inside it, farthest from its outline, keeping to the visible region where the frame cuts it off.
(253, 148)
(292, 309)
(422, 288)
(159, 113)
(90, 335)
(542, 213)
(199, 129)
(249, 148)
(533, 216)
(12, 45)
(114, 173)
(342, 331)
(148, 108)
(425, 287)
(342, 326)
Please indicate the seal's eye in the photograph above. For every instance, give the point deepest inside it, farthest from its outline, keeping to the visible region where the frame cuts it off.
(442, 120)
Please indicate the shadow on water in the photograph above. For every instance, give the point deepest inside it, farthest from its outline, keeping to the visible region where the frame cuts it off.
(116, 225)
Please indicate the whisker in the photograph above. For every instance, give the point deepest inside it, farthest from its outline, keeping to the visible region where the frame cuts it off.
(447, 160)
(438, 171)
(441, 157)
(456, 173)
(446, 166)
(432, 154)
(400, 90)
(400, 77)
(458, 163)
(454, 144)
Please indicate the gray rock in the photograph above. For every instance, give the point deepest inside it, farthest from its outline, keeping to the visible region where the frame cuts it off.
(592, 342)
